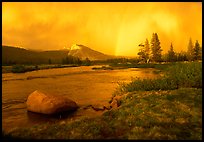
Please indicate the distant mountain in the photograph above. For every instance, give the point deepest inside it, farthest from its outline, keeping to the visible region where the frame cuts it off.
(84, 52)
(12, 55)
(15, 55)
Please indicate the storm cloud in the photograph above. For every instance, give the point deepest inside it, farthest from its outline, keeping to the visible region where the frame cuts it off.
(112, 28)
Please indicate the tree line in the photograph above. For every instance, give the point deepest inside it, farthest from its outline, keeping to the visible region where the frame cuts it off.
(66, 60)
(75, 60)
(153, 52)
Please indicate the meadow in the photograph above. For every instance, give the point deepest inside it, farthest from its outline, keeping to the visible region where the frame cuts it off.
(166, 108)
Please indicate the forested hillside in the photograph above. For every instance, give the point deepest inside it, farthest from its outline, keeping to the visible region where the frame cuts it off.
(14, 55)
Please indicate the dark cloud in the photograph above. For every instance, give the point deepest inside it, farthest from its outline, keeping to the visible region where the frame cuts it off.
(112, 28)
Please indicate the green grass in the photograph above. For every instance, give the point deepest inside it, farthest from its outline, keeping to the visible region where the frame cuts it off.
(168, 108)
(22, 68)
(162, 115)
(160, 67)
(176, 76)
(149, 65)
(27, 68)
(186, 74)
(6, 69)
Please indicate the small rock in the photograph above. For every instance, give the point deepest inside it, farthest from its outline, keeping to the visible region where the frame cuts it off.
(117, 97)
(86, 107)
(114, 104)
(115, 101)
(30, 77)
(98, 107)
(108, 106)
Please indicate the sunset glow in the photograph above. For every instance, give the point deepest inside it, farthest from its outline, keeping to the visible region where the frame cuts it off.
(111, 28)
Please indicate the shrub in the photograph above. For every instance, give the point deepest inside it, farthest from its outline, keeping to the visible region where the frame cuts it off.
(177, 76)
(186, 74)
(18, 69)
(22, 69)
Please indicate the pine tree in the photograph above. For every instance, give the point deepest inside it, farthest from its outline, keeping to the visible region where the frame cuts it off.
(141, 53)
(190, 50)
(182, 56)
(171, 54)
(197, 51)
(49, 61)
(87, 62)
(156, 48)
(144, 52)
(147, 51)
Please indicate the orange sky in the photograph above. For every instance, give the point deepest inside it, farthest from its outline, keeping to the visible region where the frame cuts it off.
(111, 28)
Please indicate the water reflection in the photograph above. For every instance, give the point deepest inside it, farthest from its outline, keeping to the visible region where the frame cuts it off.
(80, 84)
(36, 117)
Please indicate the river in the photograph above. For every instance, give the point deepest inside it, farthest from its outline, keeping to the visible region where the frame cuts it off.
(82, 84)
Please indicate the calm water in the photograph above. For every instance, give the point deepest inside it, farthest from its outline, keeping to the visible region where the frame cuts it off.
(81, 84)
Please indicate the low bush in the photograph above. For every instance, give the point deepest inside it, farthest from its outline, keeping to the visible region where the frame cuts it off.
(18, 69)
(186, 74)
(22, 68)
(176, 76)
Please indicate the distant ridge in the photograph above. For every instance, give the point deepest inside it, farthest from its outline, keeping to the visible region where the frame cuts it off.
(15, 55)
(84, 52)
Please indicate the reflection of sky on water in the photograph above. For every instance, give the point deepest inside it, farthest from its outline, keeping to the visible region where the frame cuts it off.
(81, 84)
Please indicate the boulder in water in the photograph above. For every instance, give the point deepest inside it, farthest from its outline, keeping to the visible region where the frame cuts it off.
(49, 104)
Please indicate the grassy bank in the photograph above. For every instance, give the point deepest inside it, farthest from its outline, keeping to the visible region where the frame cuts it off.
(176, 76)
(144, 65)
(145, 115)
(111, 66)
(168, 108)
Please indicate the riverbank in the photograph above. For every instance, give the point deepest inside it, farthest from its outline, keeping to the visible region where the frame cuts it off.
(164, 108)
(171, 115)
(29, 68)
(80, 84)
(107, 66)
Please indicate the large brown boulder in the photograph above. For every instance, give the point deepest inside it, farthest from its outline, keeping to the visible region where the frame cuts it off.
(49, 104)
